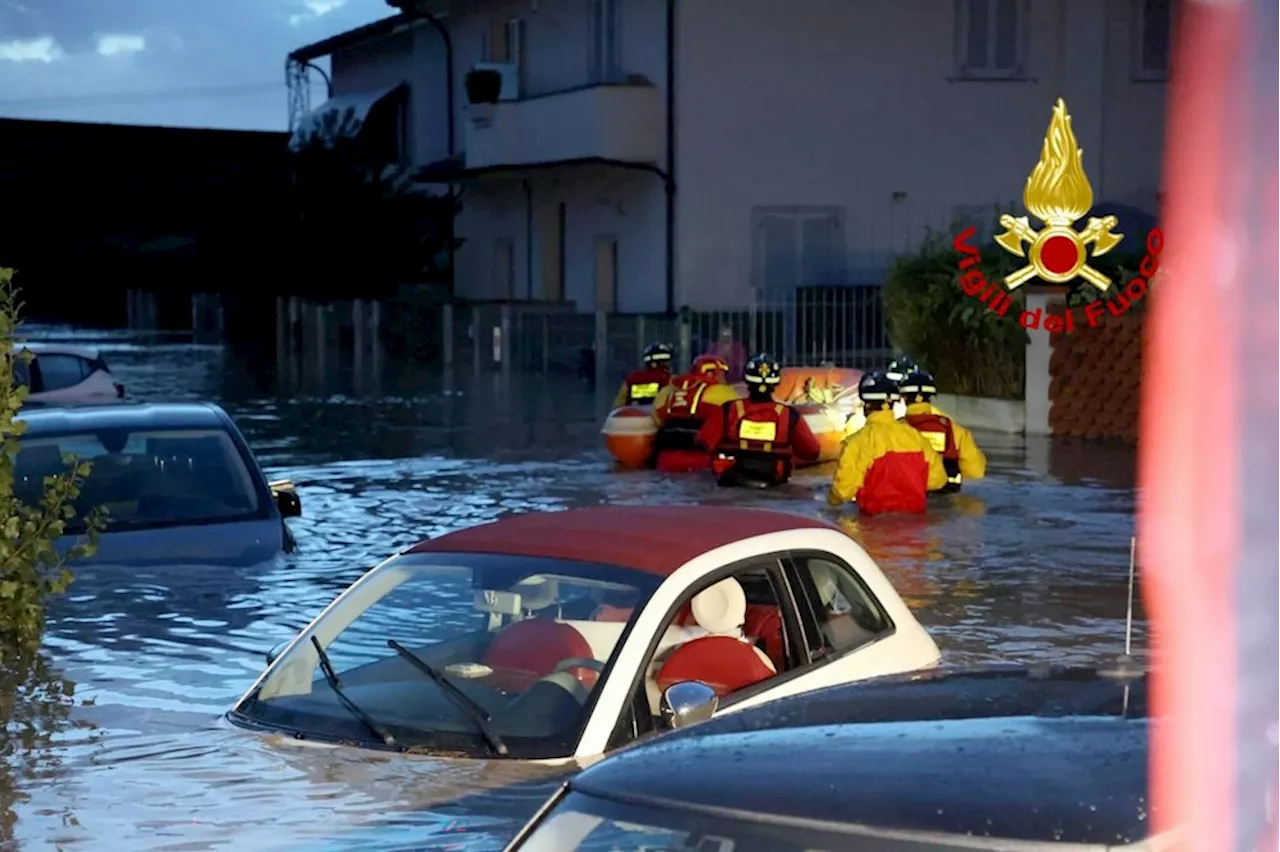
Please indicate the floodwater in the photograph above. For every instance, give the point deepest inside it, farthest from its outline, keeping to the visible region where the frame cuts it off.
(1030, 564)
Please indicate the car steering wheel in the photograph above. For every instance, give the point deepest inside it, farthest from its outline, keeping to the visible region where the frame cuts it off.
(578, 663)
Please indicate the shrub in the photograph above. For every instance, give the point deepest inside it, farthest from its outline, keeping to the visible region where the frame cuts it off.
(969, 349)
(32, 567)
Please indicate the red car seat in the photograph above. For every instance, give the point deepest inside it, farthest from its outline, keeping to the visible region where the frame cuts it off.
(764, 622)
(529, 650)
(723, 660)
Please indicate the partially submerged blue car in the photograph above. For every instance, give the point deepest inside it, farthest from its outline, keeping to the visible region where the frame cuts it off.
(177, 480)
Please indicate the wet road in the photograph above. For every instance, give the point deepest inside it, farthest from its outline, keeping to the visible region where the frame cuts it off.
(1030, 564)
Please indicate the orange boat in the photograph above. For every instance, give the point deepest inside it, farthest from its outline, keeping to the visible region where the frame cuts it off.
(628, 434)
(826, 396)
(828, 399)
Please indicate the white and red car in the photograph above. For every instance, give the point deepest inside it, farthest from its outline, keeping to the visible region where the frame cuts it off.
(553, 636)
(60, 374)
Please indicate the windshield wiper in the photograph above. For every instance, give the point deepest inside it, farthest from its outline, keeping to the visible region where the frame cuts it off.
(331, 678)
(466, 702)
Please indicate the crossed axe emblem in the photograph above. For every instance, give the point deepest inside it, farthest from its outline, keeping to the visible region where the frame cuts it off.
(1097, 232)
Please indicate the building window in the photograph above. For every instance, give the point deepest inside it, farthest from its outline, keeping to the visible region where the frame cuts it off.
(798, 247)
(503, 42)
(991, 39)
(1152, 31)
(604, 51)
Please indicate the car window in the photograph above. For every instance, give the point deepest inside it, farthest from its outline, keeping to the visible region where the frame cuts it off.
(584, 823)
(61, 371)
(846, 613)
(743, 616)
(517, 635)
(145, 478)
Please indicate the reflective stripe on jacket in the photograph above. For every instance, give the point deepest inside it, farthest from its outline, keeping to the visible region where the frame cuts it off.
(886, 466)
(641, 387)
(966, 460)
(938, 432)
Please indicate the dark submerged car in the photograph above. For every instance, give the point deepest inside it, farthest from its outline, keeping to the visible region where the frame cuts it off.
(177, 480)
(1007, 759)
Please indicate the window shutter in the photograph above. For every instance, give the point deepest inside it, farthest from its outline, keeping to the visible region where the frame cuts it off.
(1006, 35)
(977, 26)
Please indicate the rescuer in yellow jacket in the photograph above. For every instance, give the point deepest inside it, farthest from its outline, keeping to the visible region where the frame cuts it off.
(960, 454)
(886, 466)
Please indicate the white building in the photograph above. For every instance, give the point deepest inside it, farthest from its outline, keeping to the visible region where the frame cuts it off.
(651, 154)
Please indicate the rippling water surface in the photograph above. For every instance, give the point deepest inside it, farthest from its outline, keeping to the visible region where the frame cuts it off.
(1030, 564)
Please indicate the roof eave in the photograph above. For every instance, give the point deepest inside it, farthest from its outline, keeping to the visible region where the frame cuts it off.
(351, 38)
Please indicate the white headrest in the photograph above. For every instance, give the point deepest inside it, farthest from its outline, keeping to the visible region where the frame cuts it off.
(537, 592)
(722, 608)
(825, 580)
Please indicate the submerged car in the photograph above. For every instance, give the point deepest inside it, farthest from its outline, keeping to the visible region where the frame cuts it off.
(552, 636)
(59, 374)
(985, 760)
(177, 481)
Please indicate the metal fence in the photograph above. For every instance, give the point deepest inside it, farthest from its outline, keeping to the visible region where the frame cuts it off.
(843, 326)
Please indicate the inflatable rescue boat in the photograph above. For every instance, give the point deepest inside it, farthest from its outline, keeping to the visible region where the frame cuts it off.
(826, 396)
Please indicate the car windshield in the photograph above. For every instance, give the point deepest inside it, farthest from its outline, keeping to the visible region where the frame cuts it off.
(582, 823)
(144, 478)
(523, 640)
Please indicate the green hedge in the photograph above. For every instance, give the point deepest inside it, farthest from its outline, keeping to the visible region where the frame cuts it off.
(970, 350)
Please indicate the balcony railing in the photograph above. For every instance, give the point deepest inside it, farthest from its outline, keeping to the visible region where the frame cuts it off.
(615, 122)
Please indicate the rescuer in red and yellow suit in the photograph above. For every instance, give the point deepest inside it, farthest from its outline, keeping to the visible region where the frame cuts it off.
(886, 466)
(641, 387)
(678, 412)
(961, 457)
(755, 440)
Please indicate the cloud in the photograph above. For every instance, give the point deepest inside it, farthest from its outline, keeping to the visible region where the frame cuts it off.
(210, 64)
(43, 49)
(111, 45)
(315, 9)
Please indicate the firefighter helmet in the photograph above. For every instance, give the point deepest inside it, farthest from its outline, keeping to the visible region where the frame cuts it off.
(877, 387)
(919, 383)
(763, 370)
(657, 355)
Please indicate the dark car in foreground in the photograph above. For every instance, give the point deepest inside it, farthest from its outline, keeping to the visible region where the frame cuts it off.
(178, 482)
(1007, 759)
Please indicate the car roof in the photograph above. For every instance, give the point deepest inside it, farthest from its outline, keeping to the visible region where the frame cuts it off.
(657, 539)
(121, 415)
(39, 348)
(1054, 755)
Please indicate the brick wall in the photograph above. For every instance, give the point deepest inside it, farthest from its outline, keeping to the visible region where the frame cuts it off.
(1094, 379)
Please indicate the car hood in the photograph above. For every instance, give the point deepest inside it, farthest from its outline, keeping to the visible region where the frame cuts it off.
(233, 544)
(1008, 753)
(1069, 780)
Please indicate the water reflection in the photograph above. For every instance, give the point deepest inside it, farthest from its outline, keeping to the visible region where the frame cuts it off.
(1028, 564)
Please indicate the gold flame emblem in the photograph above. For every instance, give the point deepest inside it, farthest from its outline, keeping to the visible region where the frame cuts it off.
(1058, 193)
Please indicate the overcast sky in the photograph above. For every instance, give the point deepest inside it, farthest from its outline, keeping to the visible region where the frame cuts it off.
(190, 63)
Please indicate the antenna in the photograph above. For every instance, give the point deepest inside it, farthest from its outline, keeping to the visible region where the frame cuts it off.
(1128, 619)
(1125, 667)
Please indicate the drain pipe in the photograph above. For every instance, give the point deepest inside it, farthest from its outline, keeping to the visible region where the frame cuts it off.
(670, 183)
(416, 9)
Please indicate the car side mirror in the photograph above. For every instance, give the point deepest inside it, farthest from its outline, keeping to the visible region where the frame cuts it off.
(688, 703)
(277, 651)
(286, 497)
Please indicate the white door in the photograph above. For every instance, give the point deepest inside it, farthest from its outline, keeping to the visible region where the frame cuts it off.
(503, 272)
(606, 274)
